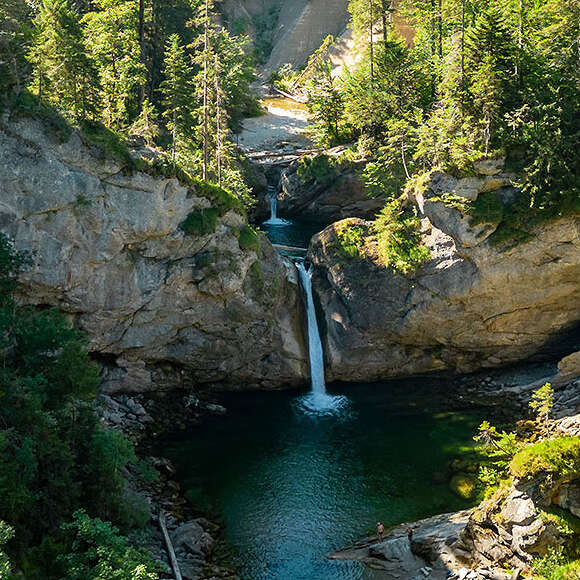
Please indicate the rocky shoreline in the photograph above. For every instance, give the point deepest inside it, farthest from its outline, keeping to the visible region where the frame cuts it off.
(193, 537)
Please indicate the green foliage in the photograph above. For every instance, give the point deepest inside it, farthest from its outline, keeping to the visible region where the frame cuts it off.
(178, 93)
(397, 232)
(54, 455)
(113, 42)
(350, 236)
(542, 403)
(14, 40)
(98, 552)
(498, 450)
(64, 74)
(201, 222)
(248, 239)
(560, 456)
(221, 199)
(555, 565)
(6, 534)
(319, 169)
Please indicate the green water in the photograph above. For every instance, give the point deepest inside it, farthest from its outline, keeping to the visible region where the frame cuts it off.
(290, 487)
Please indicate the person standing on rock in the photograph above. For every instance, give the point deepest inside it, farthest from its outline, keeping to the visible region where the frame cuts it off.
(380, 531)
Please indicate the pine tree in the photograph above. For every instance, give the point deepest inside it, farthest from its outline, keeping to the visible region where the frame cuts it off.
(177, 91)
(64, 75)
(112, 37)
(14, 39)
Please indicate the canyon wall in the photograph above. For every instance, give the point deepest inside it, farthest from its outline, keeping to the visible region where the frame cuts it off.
(161, 308)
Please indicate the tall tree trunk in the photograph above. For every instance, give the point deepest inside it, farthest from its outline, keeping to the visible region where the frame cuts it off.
(372, 41)
(462, 43)
(440, 29)
(433, 50)
(218, 106)
(385, 9)
(142, 47)
(205, 96)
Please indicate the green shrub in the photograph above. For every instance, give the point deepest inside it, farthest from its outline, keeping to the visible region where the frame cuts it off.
(559, 456)
(248, 239)
(98, 552)
(6, 533)
(399, 239)
(350, 236)
(319, 169)
(555, 565)
(201, 222)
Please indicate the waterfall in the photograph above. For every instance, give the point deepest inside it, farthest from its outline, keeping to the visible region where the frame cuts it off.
(317, 403)
(314, 342)
(273, 205)
(274, 219)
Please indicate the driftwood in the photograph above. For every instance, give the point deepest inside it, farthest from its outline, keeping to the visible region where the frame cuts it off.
(289, 248)
(170, 550)
(270, 154)
(298, 98)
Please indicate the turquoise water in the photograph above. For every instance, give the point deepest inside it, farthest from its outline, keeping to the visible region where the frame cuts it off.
(291, 487)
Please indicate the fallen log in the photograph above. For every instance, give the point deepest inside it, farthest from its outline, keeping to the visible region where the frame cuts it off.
(170, 550)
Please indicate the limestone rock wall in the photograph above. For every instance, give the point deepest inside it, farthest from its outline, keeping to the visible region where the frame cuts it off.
(161, 308)
(473, 305)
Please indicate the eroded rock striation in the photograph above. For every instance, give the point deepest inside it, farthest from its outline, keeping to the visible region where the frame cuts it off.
(161, 308)
(472, 305)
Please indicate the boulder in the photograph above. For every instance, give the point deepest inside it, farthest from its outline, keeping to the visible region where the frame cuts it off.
(329, 199)
(161, 308)
(472, 305)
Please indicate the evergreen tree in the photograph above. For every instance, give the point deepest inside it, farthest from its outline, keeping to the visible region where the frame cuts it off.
(112, 37)
(64, 74)
(178, 92)
(14, 39)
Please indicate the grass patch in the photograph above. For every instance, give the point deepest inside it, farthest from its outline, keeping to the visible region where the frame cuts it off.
(397, 232)
(110, 143)
(559, 456)
(248, 239)
(201, 222)
(221, 199)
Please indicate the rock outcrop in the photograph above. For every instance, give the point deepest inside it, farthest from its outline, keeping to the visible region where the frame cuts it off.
(339, 194)
(161, 308)
(472, 305)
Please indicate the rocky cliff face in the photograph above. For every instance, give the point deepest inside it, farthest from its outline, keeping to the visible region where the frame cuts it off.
(339, 195)
(161, 308)
(473, 305)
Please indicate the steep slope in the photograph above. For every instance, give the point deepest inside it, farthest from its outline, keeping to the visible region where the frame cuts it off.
(162, 308)
(290, 30)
